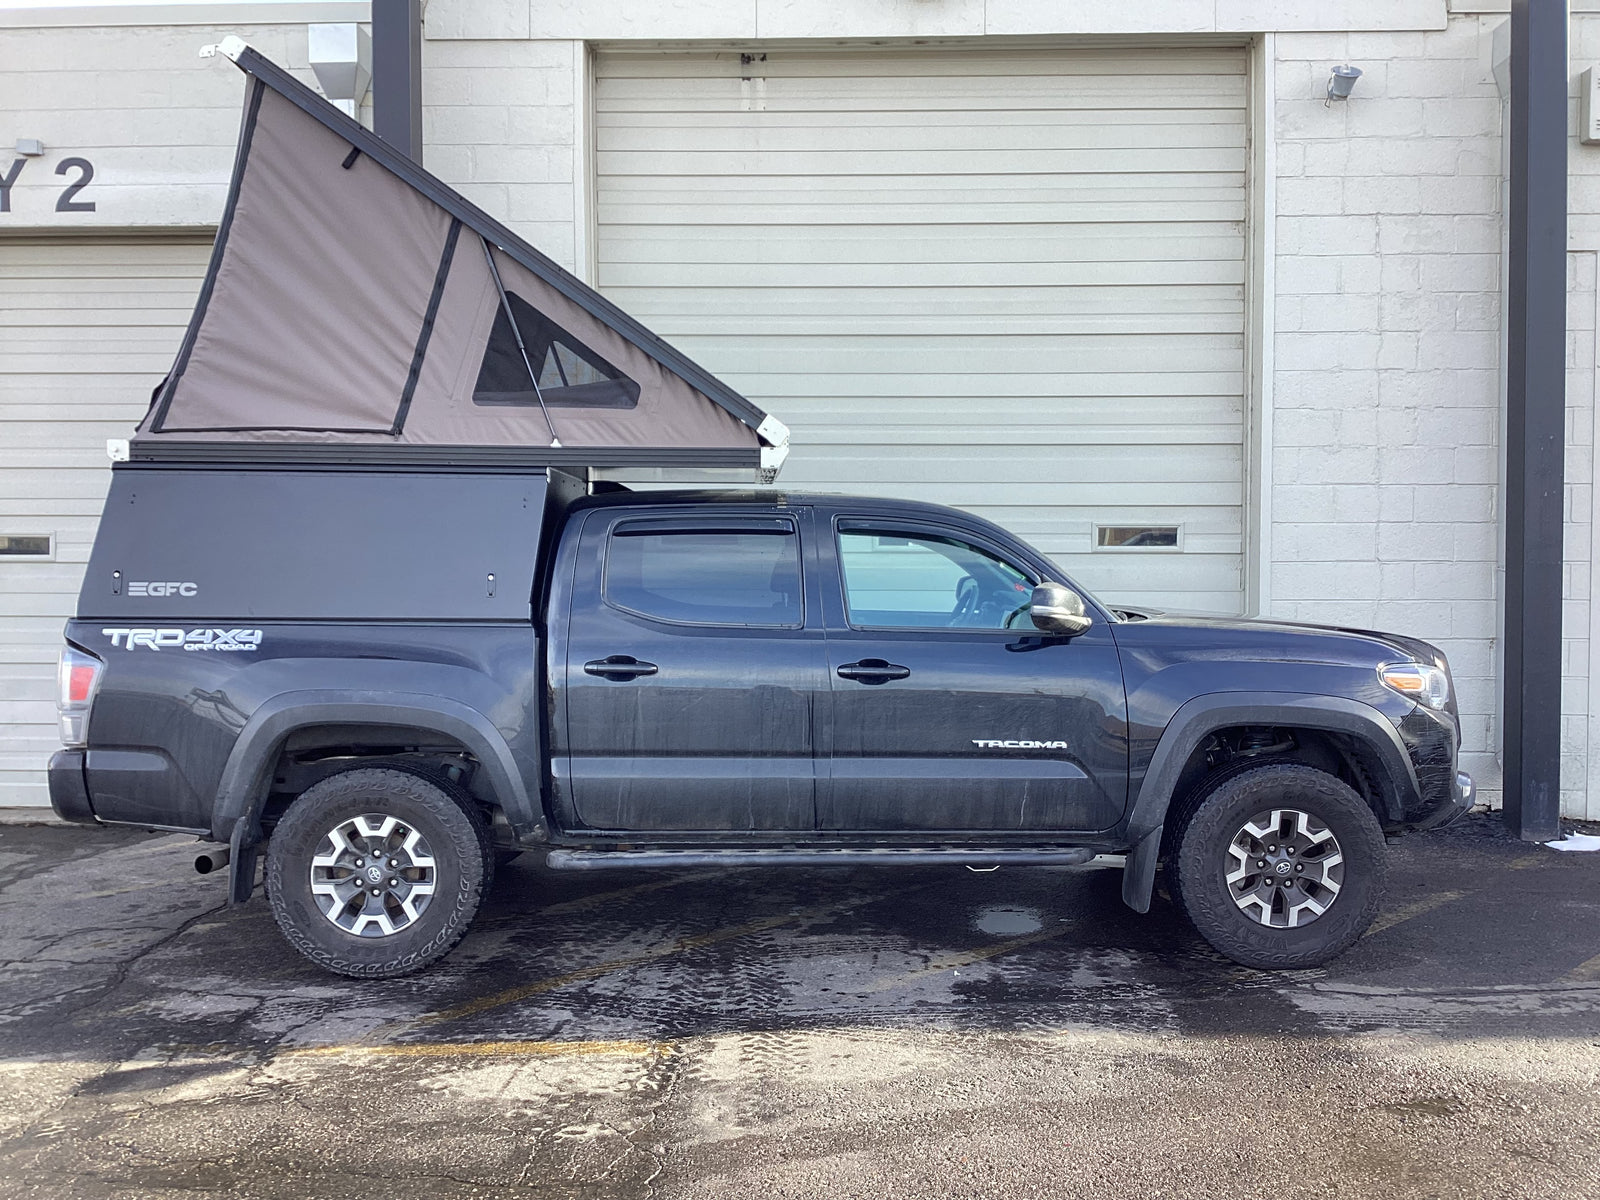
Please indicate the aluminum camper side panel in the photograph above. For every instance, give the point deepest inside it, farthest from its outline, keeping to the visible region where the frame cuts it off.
(186, 546)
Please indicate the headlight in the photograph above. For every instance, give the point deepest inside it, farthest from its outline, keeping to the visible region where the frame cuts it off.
(1422, 682)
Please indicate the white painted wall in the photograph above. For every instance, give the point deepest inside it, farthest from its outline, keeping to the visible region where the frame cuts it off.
(679, 20)
(1386, 388)
(157, 122)
(1580, 672)
(499, 123)
(1578, 795)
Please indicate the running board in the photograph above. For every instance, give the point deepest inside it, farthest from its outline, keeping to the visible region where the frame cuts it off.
(600, 860)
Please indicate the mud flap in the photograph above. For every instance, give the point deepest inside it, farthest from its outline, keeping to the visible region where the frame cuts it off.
(245, 846)
(1139, 871)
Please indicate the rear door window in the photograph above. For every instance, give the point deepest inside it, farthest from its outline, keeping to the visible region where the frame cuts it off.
(742, 572)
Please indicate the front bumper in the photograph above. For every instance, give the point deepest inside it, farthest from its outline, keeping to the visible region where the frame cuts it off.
(1463, 797)
(1432, 742)
(69, 788)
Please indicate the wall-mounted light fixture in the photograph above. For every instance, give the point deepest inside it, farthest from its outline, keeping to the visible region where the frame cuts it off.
(1341, 82)
(30, 147)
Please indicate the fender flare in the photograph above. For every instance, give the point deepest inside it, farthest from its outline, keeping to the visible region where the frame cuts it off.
(242, 790)
(1202, 715)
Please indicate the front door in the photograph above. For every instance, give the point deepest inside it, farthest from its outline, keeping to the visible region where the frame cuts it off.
(694, 664)
(949, 710)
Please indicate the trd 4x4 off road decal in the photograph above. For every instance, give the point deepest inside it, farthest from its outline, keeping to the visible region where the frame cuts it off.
(180, 639)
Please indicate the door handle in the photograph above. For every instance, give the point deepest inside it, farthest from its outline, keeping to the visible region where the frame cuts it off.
(619, 667)
(873, 670)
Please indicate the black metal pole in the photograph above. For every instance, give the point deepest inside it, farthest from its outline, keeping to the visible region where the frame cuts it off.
(397, 74)
(522, 347)
(1536, 326)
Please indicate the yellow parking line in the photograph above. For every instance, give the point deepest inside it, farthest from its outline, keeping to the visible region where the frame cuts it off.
(520, 1049)
(1584, 972)
(579, 903)
(954, 962)
(1406, 912)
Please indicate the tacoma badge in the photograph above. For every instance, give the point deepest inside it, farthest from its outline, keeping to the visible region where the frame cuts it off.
(1016, 744)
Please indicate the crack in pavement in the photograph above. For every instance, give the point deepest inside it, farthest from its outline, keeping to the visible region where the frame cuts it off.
(673, 1064)
(122, 970)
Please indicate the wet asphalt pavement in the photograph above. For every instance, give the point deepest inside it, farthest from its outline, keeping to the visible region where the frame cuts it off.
(798, 1033)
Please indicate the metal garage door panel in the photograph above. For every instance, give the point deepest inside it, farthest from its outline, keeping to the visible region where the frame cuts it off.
(1011, 280)
(87, 328)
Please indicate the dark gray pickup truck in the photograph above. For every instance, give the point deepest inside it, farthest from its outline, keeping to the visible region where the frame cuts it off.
(463, 667)
(362, 608)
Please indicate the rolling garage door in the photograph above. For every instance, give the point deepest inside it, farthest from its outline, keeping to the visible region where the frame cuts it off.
(87, 328)
(1007, 280)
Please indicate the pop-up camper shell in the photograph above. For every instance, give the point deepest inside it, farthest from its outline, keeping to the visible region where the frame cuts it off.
(381, 398)
(358, 310)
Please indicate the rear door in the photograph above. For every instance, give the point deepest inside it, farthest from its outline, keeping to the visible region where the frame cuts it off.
(949, 710)
(694, 663)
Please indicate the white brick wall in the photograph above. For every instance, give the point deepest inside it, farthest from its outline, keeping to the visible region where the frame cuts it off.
(499, 124)
(158, 122)
(1576, 685)
(1386, 392)
(675, 20)
(1580, 730)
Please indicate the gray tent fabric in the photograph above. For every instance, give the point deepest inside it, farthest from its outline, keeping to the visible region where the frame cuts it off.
(443, 412)
(355, 301)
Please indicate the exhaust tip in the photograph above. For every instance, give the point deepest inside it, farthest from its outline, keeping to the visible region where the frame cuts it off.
(212, 860)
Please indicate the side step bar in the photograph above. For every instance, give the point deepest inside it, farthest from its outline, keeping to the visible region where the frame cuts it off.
(600, 860)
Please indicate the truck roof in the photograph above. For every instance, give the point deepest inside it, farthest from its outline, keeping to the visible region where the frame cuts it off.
(769, 498)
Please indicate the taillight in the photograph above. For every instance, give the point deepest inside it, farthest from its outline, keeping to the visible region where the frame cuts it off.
(76, 681)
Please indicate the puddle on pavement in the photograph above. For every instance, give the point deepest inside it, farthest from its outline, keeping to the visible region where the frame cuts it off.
(1009, 921)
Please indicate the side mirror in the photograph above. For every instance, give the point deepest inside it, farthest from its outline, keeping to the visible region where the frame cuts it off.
(1058, 609)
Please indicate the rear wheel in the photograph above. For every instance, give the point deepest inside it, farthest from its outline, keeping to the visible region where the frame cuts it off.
(377, 872)
(1278, 866)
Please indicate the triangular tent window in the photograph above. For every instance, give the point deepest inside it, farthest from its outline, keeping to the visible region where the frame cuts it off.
(569, 374)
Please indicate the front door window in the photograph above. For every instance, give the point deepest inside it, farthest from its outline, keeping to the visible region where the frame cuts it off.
(929, 581)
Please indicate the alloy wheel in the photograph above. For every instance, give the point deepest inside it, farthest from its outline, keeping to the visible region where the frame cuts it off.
(1284, 868)
(373, 875)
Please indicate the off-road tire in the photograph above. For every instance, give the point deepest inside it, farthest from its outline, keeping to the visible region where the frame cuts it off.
(458, 793)
(1196, 874)
(455, 830)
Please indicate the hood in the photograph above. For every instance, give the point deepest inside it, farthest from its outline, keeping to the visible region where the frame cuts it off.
(1283, 640)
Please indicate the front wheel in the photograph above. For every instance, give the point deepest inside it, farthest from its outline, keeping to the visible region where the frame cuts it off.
(1278, 866)
(377, 872)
